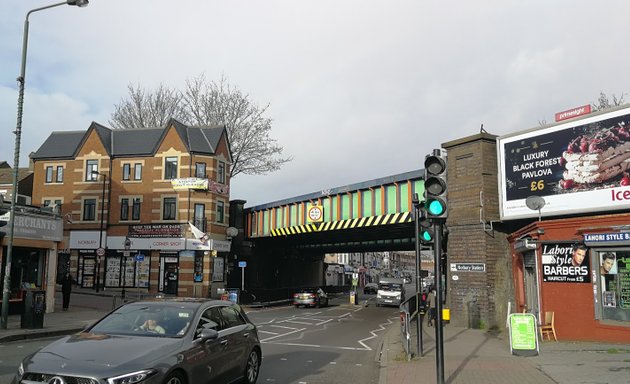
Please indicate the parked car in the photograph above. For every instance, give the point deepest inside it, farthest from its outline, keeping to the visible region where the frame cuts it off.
(166, 341)
(370, 288)
(310, 297)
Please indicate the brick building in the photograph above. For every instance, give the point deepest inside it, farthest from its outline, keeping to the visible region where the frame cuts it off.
(127, 198)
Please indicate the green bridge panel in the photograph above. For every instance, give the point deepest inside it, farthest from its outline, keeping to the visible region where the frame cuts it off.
(377, 202)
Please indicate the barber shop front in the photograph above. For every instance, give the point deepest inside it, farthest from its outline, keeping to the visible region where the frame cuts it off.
(573, 259)
(590, 301)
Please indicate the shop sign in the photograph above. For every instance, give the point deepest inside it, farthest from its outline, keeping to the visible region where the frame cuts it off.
(606, 238)
(86, 239)
(156, 230)
(189, 183)
(220, 245)
(576, 167)
(167, 244)
(560, 263)
(37, 228)
(523, 335)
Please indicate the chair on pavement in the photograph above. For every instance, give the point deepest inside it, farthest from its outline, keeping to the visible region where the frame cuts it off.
(548, 327)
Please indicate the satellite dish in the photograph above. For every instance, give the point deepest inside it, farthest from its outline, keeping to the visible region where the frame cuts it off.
(535, 203)
(232, 232)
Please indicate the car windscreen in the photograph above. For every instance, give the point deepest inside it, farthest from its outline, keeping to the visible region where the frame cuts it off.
(390, 287)
(146, 319)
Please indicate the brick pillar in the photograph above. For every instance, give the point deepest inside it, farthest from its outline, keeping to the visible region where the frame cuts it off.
(476, 299)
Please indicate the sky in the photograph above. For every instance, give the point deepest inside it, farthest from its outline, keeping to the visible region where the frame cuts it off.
(358, 89)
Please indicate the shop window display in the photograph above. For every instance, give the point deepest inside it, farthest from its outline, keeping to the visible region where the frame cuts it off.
(614, 277)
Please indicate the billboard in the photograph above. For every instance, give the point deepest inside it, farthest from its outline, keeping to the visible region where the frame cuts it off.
(578, 166)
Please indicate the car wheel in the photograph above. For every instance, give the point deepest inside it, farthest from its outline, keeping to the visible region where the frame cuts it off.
(252, 367)
(175, 378)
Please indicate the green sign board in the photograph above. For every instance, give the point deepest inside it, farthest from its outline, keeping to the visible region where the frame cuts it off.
(523, 337)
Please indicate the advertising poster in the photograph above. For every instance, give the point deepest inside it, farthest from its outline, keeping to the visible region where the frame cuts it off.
(523, 335)
(565, 263)
(579, 166)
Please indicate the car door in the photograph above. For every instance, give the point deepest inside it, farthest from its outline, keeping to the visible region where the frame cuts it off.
(208, 358)
(238, 334)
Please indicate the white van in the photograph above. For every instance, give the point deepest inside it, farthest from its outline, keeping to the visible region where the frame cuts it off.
(391, 291)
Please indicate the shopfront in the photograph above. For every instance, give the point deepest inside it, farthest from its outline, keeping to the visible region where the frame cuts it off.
(573, 259)
(590, 298)
(33, 260)
(157, 259)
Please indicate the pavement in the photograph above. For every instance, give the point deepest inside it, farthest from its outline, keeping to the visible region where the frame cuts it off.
(471, 356)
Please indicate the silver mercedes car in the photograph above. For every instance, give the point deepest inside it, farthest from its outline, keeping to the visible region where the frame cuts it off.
(165, 341)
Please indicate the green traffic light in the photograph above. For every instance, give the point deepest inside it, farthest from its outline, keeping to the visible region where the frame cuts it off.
(426, 236)
(435, 207)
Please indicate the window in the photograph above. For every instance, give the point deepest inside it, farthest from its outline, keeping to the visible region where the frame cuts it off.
(221, 173)
(199, 219)
(231, 317)
(211, 319)
(89, 210)
(170, 168)
(220, 211)
(124, 209)
(135, 210)
(200, 170)
(58, 205)
(49, 174)
(91, 166)
(137, 171)
(614, 281)
(169, 211)
(59, 178)
(126, 172)
(46, 203)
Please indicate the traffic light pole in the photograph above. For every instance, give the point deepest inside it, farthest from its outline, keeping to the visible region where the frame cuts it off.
(419, 340)
(439, 334)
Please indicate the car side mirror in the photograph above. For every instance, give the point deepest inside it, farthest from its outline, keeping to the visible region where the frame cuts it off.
(208, 334)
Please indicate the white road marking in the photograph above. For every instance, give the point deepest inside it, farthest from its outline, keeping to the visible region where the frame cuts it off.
(284, 334)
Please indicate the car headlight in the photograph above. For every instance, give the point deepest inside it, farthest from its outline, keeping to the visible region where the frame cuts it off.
(21, 371)
(131, 378)
(378, 295)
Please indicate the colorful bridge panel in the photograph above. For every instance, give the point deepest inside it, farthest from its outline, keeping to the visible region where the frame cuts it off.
(375, 202)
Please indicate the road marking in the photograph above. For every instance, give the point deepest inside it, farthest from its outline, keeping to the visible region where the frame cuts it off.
(284, 334)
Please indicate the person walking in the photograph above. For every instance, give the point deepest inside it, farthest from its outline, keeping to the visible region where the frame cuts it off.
(432, 305)
(66, 289)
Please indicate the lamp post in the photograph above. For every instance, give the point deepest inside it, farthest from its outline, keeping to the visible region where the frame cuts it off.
(100, 237)
(124, 276)
(18, 134)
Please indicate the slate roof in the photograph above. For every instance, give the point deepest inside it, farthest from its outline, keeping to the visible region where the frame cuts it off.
(130, 142)
(6, 175)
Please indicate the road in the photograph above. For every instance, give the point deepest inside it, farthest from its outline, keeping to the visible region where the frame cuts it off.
(335, 344)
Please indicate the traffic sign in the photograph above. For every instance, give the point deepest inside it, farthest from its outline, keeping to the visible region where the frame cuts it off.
(242, 264)
(100, 251)
(315, 213)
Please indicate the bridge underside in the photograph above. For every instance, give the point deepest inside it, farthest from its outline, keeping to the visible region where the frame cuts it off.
(391, 237)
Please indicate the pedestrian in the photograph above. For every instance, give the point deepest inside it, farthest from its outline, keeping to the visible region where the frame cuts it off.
(66, 289)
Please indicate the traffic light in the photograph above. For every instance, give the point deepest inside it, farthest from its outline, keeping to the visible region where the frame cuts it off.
(426, 230)
(3, 210)
(435, 186)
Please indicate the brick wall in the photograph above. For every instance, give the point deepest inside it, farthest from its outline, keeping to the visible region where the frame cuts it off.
(476, 299)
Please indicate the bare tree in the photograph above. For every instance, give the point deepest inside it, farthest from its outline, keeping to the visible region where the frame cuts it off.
(604, 102)
(254, 152)
(144, 110)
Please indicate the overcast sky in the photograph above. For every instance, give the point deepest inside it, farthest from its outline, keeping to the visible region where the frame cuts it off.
(359, 89)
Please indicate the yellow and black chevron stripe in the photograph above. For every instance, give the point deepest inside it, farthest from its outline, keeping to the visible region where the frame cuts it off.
(390, 218)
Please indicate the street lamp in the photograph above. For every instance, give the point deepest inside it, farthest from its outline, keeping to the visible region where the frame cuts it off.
(124, 277)
(100, 237)
(18, 133)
